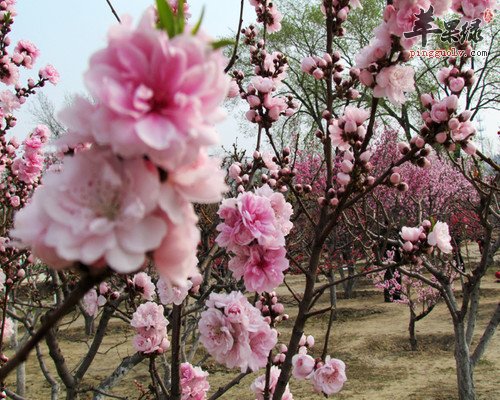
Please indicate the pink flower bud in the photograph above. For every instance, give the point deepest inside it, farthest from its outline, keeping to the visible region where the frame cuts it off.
(318, 73)
(426, 100)
(441, 137)
(346, 166)
(408, 246)
(308, 64)
(453, 124)
(419, 142)
(469, 148)
(366, 78)
(334, 202)
(452, 102)
(395, 178)
(403, 148)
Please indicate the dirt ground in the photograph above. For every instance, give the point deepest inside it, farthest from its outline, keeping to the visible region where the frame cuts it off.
(370, 336)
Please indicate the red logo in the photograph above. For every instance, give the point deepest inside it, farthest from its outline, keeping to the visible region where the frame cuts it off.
(488, 15)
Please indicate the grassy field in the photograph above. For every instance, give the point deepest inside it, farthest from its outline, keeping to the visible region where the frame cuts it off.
(369, 335)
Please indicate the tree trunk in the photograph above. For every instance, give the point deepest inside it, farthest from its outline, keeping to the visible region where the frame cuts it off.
(333, 311)
(89, 324)
(411, 329)
(465, 379)
(472, 314)
(21, 369)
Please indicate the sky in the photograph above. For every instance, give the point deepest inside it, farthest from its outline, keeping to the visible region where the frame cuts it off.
(68, 32)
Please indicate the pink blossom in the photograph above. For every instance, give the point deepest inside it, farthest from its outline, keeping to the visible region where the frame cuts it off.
(259, 385)
(149, 315)
(411, 234)
(456, 84)
(194, 382)
(10, 73)
(275, 17)
(157, 96)
(308, 64)
(247, 218)
(151, 328)
(174, 5)
(440, 237)
(175, 259)
(98, 209)
(303, 366)
(472, 9)
(439, 112)
(50, 73)
(282, 209)
(330, 377)
(393, 82)
(9, 102)
(142, 283)
(263, 85)
(441, 7)
(201, 181)
(355, 114)
(261, 268)
(172, 294)
(235, 333)
(378, 48)
(28, 51)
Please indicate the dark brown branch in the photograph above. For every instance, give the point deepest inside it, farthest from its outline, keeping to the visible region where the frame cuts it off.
(175, 368)
(224, 389)
(113, 11)
(235, 49)
(51, 318)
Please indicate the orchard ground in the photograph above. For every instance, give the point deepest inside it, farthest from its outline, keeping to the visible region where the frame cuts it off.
(370, 336)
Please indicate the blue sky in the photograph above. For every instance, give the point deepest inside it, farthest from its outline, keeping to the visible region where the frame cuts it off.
(67, 32)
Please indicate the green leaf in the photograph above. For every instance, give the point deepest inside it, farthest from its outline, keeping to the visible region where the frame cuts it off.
(196, 28)
(167, 17)
(181, 21)
(222, 43)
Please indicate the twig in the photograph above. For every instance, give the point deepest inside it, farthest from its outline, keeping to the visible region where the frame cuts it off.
(51, 318)
(113, 11)
(224, 389)
(235, 49)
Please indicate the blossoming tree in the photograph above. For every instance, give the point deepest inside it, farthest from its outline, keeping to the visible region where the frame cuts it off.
(115, 220)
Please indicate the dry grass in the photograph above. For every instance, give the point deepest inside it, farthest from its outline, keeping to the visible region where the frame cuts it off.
(369, 335)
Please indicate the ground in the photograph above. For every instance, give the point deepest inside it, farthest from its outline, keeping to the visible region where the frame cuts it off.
(370, 336)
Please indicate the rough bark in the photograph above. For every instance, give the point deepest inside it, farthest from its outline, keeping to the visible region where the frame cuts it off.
(125, 366)
(465, 379)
